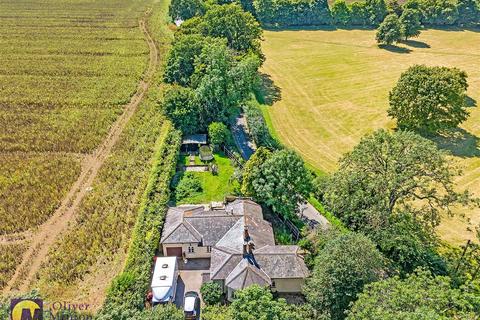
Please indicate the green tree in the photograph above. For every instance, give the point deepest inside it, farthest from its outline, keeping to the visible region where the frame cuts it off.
(468, 12)
(410, 23)
(251, 170)
(387, 174)
(394, 7)
(358, 13)
(181, 107)
(340, 13)
(180, 62)
(342, 269)
(188, 186)
(221, 81)
(229, 21)
(218, 134)
(376, 11)
(211, 293)
(282, 182)
(420, 296)
(216, 312)
(255, 302)
(186, 9)
(389, 30)
(161, 312)
(429, 98)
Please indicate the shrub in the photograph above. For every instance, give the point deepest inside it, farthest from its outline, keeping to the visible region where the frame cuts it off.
(188, 186)
(211, 293)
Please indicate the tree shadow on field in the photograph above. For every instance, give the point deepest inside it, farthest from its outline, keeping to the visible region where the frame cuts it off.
(267, 92)
(394, 49)
(458, 142)
(416, 44)
(471, 103)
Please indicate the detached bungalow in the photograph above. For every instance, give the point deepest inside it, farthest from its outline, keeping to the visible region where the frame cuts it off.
(239, 243)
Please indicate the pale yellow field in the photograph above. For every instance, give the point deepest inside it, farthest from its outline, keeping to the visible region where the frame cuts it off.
(334, 88)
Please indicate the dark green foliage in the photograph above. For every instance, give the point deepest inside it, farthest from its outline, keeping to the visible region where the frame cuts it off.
(161, 312)
(409, 245)
(420, 296)
(240, 28)
(376, 11)
(188, 185)
(429, 98)
(340, 13)
(221, 82)
(257, 126)
(384, 175)
(389, 30)
(283, 13)
(252, 170)
(358, 14)
(394, 7)
(211, 293)
(410, 23)
(218, 134)
(282, 182)
(180, 62)
(126, 296)
(182, 108)
(344, 266)
(468, 12)
(186, 9)
(255, 302)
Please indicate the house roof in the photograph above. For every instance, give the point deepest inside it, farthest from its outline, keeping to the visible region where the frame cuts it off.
(195, 139)
(245, 274)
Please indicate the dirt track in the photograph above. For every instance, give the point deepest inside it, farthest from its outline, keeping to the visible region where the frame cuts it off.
(63, 217)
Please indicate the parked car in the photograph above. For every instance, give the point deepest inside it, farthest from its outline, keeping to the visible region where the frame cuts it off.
(191, 305)
(164, 281)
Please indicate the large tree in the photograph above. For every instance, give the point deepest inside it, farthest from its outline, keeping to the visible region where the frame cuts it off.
(344, 266)
(429, 98)
(468, 12)
(282, 182)
(180, 62)
(229, 21)
(340, 13)
(251, 170)
(420, 296)
(221, 81)
(410, 23)
(388, 174)
(182, 108)
(389, 30)
(185, 9)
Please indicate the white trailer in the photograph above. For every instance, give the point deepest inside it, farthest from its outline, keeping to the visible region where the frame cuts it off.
(164, 281)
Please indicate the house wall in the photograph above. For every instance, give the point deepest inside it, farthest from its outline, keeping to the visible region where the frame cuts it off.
(199, 251)
(288, 285)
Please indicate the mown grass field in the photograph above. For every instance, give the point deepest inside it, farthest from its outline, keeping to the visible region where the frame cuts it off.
(331, 88)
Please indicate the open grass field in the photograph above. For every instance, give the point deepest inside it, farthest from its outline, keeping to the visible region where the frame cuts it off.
(331, 87)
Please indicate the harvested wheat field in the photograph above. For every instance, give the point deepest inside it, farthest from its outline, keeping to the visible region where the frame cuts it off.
(332, 88)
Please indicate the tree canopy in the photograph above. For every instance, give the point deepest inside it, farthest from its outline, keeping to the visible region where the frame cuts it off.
(389, 30)
(186, 9)
(218, 134)
(410, 23)
(182, 108)
(419, 296)
(281, 181)
(389, 173)
(429, 98)
(342, 268)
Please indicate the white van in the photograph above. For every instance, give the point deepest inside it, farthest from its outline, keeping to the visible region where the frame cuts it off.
(164, 281)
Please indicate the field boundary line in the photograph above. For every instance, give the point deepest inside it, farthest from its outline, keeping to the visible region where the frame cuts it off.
(60, 221)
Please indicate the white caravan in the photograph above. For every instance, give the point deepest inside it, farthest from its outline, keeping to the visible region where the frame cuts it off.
(164, 281)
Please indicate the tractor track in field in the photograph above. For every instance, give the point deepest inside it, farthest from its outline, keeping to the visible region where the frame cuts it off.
(46, 234)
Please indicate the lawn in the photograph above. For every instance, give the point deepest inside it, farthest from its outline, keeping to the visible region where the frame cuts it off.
(330, 88)
(214, 187)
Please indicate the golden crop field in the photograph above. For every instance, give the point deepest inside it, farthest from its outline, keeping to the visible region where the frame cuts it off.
(79, 125)
(334, 86)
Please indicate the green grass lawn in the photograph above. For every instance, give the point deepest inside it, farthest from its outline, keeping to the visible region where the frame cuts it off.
(215, 187)
(331, 87)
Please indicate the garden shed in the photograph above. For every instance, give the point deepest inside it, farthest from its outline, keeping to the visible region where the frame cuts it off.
(193, 142)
